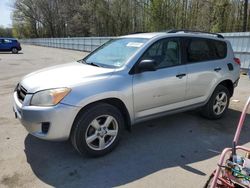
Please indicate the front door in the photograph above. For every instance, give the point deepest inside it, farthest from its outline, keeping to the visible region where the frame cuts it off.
(164, 89)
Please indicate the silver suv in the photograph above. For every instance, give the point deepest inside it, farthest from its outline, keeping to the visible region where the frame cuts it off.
(127, 80)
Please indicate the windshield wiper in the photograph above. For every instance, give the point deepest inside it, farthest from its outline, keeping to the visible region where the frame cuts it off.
(81, 61)
(91, 63)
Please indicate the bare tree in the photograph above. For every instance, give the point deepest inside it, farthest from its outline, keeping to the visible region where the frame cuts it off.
(60, 18)
(245, 16)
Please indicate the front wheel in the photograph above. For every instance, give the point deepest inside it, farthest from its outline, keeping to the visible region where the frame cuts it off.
(217, 104)
(97, 130)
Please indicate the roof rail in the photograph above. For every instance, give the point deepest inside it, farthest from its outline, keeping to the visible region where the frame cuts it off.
(193, 31)
(136, 32)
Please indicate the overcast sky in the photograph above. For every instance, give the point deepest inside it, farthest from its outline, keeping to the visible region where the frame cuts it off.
(5, 13)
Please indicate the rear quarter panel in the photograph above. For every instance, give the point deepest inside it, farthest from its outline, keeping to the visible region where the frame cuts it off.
(235, 73)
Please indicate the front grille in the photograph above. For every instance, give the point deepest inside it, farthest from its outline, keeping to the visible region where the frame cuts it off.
(21, 93)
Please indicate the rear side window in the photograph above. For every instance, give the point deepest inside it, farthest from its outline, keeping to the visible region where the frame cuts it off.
(198, 50)
(205, 50)
(220, 49)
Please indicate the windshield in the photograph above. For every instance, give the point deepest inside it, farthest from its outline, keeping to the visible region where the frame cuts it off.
(115, 52)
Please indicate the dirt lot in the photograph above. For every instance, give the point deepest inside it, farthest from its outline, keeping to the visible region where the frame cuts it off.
(175, 151)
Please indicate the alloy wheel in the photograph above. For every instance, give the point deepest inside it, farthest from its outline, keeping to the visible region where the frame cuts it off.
(101, 132)
(220, 103)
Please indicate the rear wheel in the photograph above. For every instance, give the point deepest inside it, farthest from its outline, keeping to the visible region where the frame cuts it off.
(217, 104)
(14, 50)
(97, 130)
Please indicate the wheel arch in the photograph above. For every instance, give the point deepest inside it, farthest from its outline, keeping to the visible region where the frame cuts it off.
(229, 85)
(118, 103)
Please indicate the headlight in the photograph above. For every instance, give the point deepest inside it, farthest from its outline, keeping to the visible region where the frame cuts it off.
(49, 97)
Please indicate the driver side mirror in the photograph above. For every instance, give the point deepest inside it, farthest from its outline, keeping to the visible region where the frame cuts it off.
(147, 65)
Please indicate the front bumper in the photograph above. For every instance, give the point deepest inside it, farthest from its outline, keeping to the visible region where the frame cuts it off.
(59, 118)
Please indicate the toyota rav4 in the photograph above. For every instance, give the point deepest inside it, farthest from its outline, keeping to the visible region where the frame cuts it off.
(127, 80)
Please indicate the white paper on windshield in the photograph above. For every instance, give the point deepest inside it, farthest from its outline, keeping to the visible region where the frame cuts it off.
(135, 44)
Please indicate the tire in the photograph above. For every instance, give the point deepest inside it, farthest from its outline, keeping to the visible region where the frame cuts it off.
(14, 50)
(218, 103)
(97, 130)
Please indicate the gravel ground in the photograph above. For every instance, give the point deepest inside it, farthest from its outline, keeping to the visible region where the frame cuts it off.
(180, 150)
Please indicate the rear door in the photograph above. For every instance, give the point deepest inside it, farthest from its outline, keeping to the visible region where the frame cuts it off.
(204, 68)
(164, 89)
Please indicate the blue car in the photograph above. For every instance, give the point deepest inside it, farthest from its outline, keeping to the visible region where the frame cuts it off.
(10, 45)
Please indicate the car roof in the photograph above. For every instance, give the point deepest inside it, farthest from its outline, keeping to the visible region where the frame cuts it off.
(8, 38)
(179, 34)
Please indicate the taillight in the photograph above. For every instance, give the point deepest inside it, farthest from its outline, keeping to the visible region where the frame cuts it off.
(237, 60)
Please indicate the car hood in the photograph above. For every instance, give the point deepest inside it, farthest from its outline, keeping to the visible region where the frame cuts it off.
(66, 75)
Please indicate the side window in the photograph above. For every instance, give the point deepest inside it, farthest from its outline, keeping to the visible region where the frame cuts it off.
(7, 41)
(220, 49)
(198, 50)
(165, 52)
(154, 51)
(205, 50)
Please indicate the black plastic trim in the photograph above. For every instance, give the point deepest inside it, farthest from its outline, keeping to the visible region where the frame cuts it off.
(230, 66)
(194, 31)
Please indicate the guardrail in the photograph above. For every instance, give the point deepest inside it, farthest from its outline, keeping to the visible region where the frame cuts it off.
(240, 42)
(75, 43)
(241, 46)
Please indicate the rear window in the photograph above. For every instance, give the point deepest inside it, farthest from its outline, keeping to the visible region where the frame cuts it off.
(205, 49)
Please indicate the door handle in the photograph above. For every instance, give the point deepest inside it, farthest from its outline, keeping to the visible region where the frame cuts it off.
(180, 75)
(217, 69)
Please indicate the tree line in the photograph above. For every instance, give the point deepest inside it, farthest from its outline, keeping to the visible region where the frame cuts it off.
(64, 18)
(5, 32)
